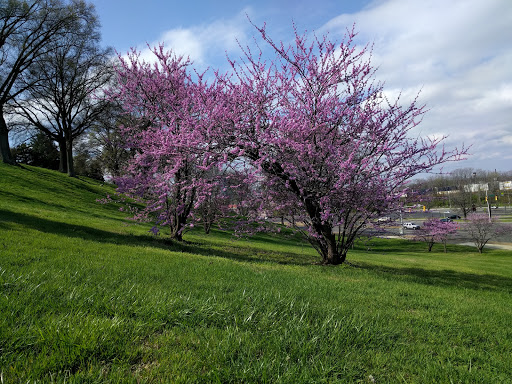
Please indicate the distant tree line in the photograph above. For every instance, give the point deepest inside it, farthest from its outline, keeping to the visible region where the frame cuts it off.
(464, 189)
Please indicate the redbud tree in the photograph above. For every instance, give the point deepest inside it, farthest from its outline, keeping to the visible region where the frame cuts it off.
(436, 231)
(172, 114)
(311, 130)
(317, 126)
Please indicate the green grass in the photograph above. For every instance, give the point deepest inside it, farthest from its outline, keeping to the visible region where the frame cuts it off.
(86, 296)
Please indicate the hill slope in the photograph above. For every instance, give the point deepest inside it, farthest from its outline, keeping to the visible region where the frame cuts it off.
(87, 296)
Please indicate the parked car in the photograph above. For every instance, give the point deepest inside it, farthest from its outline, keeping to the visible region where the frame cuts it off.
(454, 217)
(384, 219)
(411, 226)
(446, 220)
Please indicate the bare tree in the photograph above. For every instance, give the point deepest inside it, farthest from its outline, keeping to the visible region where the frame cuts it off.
(106, 141)
(463, 198)
(482, 228)
(27, 30)
(61, 101)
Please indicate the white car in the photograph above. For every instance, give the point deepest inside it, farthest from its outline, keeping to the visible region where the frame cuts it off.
(411, 226)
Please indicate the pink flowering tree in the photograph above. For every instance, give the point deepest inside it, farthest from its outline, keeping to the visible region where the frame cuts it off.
(221, 200)
(316, 126)
(481, 228)
(436, 231)
(172, 113)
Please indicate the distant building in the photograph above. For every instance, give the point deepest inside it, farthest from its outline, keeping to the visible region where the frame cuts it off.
(452, 192)
(477, 187)
(482, 187)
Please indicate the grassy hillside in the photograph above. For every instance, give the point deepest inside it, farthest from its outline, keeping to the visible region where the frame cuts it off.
(87, 296)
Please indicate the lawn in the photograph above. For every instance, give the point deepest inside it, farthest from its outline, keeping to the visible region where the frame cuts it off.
(88, 296)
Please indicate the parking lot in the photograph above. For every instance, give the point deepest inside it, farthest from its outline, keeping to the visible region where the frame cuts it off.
(504, 215)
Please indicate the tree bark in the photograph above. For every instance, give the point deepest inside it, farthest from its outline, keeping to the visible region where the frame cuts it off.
(5, 149)
(63, 164)
(326, 241)
(331, 255)
(178, 227)
(180, 218)
(69, 158)
(207, 224)
(176, 234)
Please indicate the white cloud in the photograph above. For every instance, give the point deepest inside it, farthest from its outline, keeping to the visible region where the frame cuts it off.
(204, 43)
(184, 42)
(459, 54)
(456, 53)
(507, 140)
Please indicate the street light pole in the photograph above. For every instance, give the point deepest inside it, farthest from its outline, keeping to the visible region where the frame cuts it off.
(401, 223)
(488, 205)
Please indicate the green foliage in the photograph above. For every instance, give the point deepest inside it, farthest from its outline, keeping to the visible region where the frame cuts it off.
(85, 165)
(40, 151)
(87, 297)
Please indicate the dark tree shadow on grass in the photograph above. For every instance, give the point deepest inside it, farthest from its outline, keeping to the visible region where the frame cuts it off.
(97, 235)
(55, 181)
(55, 206)
(444, 278)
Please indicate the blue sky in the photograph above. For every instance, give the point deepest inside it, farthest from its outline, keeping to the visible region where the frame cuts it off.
(457, 52)
(132, 22)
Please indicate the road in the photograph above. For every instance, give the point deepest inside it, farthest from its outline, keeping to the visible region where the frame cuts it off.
(461, 237)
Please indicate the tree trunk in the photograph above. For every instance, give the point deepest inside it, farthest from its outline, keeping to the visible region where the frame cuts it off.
(63, 153)
(207, 227)
(208, 217)
(5, 149)
(176, 234)
(325, 241)
(178, 227)
(69, 158)
(330, 253)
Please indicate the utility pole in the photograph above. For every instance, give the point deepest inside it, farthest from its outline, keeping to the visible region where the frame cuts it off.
(488, 206)
(401, 223)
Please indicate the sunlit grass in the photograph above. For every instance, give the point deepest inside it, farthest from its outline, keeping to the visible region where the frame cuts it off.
(88, 297)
